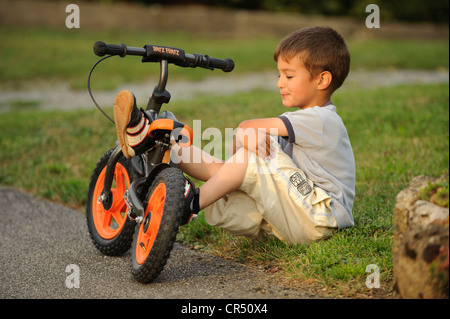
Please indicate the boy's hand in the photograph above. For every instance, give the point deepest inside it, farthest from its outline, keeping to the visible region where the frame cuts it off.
(255, 135)
(255, 141)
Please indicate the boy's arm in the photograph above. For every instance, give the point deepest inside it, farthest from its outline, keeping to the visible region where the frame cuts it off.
(273, 125)
(249, 129)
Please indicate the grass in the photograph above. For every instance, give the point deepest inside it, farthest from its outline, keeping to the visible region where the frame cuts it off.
(55, 55)
(68, 55)
(397, 133)
(46, 152)
(398, 54)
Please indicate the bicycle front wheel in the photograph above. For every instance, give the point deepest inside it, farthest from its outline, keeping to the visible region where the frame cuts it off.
(111, 230)
(154, 238)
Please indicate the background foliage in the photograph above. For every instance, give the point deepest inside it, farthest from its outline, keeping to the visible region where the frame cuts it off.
(402, 10)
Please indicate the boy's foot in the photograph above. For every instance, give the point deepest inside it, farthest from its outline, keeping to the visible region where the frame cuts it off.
(131, 125)
(191, 202)
(132, 132)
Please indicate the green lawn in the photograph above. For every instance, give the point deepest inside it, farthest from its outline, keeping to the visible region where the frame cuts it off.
(30, 54)
(397, 133)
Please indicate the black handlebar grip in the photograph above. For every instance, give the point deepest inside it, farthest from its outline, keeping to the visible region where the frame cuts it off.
(101, 48)
(227, 65)
(198, 60)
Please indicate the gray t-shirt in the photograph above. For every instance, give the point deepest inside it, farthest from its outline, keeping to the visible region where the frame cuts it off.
(318, 143)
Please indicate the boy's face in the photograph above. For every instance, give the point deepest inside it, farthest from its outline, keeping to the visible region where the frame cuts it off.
(297, 87)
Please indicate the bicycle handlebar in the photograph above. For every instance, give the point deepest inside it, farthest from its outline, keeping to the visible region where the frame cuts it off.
(156, 53)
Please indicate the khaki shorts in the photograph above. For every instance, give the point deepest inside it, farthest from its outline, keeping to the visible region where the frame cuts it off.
(277, 199)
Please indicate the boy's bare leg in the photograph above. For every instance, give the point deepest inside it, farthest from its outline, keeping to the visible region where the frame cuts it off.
(195, 162)
(221, 177)
(227, 178)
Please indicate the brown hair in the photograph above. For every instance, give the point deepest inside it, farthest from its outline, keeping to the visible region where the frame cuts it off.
(320, 49)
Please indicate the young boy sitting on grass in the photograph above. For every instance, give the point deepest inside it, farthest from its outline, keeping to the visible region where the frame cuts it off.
(292, 176)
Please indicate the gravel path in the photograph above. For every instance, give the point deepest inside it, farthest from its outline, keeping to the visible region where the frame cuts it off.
(40, 241)
(53, 96)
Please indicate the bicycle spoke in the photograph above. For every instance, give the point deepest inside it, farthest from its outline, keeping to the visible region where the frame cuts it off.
(118, 205)
(106, 220)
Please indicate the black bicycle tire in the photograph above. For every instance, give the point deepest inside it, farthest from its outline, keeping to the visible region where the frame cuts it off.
(157, 258)
(121, 243)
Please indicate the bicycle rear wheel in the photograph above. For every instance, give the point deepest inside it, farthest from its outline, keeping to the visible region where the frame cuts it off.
(111, 230)
(155, 236)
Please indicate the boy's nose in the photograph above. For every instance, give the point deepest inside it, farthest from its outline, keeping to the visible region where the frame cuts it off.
(279, 83)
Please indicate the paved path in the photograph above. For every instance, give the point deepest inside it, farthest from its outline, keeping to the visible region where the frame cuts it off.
(40, 239)
(59, 96)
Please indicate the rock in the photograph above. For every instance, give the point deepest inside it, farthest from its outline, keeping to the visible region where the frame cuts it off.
(424, 213)
(403, 206)
(420, 249)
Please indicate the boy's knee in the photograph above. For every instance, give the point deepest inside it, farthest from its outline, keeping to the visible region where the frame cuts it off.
(241, 156)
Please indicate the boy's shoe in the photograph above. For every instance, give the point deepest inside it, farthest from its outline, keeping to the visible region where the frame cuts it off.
(191, 202)
(131, 125)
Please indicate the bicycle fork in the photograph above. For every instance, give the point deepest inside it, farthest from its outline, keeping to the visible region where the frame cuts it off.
(147, 166)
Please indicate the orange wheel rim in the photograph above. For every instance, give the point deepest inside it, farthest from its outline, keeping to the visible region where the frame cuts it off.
(109, 223)
(148, 229)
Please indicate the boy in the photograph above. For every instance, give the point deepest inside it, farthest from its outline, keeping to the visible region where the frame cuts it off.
(295, 179)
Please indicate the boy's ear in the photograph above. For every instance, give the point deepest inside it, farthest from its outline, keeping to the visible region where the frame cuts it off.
(324, 80)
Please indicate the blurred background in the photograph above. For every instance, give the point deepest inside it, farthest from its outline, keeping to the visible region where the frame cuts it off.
(234, 17)
(38, 46)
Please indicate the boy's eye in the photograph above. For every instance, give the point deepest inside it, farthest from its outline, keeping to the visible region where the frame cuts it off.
(287, 76)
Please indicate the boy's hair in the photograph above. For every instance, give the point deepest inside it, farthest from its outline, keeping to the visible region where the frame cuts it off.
(320, 49)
